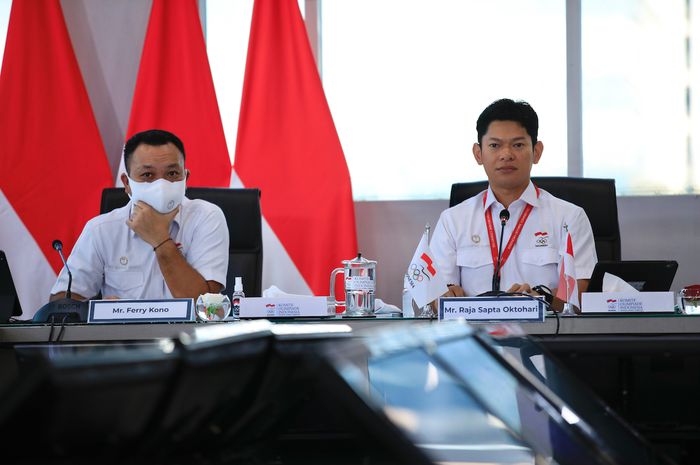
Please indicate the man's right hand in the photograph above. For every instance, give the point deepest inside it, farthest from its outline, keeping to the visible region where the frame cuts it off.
(150, 225)
(453, 290)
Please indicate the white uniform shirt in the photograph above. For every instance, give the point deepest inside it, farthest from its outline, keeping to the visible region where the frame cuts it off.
(111, 258)
(462, 252)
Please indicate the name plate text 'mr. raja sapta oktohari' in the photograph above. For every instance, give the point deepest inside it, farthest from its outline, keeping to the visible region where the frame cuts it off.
(504, 308)
(140, 311)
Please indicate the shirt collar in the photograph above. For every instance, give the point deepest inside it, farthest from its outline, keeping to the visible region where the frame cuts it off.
(531, 195)
(528, 196)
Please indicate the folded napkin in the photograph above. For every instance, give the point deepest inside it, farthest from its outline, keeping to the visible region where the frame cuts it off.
(274, 291)
(612, 283)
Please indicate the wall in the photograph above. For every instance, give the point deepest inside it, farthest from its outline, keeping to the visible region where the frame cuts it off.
(661, 228)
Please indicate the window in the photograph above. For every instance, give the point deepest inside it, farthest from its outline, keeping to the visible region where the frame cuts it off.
(5, 6)
(407, 79)
(637, 121)
(227, 31)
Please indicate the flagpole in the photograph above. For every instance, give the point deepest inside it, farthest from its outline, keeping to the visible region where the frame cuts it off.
(427, 310)
(567, 310)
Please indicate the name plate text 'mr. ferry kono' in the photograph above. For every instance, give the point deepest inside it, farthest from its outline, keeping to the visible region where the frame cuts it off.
(140, 311)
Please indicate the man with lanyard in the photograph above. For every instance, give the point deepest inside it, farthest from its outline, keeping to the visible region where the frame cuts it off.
(465, 241)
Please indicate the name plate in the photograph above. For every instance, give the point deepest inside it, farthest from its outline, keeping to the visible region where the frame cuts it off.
(285, 307)
(140, 311)
(491, 309)
(627, 302)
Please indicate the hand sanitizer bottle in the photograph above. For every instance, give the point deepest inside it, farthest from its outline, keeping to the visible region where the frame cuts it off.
(236, 298)
(407, 305)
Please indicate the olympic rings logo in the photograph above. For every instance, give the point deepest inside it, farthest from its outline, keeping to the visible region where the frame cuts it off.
(416, 272)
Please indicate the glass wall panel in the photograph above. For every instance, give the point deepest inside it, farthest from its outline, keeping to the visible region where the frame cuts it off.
(227, 32)
(636, 86)
(5, 6)
(406, 80)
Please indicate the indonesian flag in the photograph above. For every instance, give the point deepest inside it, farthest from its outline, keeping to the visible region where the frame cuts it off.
(175, 91)
(567, 290)
(288, 147)
(423, 280)
(53, 165)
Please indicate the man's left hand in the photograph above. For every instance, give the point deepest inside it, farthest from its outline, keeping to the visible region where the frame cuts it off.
(150, 225)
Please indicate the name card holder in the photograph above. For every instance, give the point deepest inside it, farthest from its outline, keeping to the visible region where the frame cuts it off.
(491, 309)
(627, 302)
(140, 311)
(285, 307)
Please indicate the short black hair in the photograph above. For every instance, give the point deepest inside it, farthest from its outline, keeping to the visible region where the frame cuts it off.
(151, 137)
(506, 109)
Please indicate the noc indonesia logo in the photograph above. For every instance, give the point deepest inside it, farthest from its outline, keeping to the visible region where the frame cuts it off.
(612, 305)
(541, 239)
(420, 271)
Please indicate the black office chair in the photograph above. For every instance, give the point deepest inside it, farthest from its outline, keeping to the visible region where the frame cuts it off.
(597, 197)
(241, 208)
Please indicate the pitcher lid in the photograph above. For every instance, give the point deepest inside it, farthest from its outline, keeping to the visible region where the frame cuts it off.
(359, 261)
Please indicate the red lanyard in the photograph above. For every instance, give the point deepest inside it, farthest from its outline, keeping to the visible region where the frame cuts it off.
(513, 237)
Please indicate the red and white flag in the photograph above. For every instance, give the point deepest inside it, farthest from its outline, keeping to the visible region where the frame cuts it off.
(423, 280)
(288, 147)
(567, 290)
(175, 91)
(53, 165)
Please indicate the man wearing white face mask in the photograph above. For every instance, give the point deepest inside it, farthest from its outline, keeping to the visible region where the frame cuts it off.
(161, 244)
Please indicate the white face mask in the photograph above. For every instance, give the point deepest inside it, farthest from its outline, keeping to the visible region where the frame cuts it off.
(164, 196)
